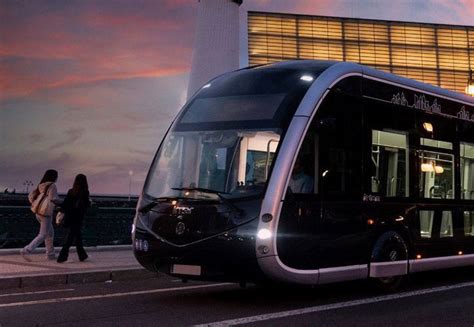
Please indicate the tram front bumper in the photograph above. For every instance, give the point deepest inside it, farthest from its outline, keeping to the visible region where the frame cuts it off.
(224, 257)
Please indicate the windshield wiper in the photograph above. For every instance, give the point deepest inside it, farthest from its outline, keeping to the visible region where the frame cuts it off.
(199, 189)
(205, 190)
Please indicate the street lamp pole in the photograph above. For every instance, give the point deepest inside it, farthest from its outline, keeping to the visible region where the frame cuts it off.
(130, 174)
(27, 184)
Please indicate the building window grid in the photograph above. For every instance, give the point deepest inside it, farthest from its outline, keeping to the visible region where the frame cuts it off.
(442, 60)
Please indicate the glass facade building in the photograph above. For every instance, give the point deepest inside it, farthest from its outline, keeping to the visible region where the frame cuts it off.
(441, 55)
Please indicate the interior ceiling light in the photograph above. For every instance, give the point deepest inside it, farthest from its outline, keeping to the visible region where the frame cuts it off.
(427, 168)
(432, 167)
(428, 127)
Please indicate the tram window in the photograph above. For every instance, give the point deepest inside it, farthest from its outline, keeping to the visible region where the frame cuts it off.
(390, 163)
(255, 157)
(213, 167)
(446, 229)
(237, 108)
(331, 152)
(426, 223)
(467, 171)
(437, 175)
(340, 147)
(301, 180)
(436, 143)
(257, 166)
(468, 223)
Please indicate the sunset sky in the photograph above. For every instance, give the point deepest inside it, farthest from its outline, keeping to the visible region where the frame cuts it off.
(91, 86)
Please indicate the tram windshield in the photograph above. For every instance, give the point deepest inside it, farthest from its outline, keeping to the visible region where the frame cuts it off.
(224, 141)
(234, 163)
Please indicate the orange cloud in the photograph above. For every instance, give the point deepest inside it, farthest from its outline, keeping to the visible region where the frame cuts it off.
(72, 81)
(116, 42)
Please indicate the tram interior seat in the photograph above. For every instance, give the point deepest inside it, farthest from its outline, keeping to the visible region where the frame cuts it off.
(466, 195)
(437, 192)
(450, 194)
(446, 229)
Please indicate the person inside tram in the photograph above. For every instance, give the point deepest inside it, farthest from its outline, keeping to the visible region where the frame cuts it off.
(300, 182)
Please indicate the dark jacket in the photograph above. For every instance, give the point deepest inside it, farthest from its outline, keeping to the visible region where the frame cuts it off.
(75, 207)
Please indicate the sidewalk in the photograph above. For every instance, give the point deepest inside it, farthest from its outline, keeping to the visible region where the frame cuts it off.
(106, 263)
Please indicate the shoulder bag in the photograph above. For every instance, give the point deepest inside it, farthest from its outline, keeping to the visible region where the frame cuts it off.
(38, 206)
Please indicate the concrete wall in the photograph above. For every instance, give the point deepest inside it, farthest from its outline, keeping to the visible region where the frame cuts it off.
(216, 42)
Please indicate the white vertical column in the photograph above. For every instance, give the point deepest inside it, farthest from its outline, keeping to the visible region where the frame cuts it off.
(216, 41)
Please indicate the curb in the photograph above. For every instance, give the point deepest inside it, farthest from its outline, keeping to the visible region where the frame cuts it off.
(76, 278)
(100, 248)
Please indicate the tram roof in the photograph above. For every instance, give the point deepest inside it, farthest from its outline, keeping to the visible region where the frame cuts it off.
(333, 71)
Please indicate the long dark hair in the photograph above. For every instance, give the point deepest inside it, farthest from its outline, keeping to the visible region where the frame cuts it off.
(50, 175)
(80, 186)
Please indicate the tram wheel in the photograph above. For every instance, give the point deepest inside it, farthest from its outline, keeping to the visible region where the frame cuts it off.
(389, 247)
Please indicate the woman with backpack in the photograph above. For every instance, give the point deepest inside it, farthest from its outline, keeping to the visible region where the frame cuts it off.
(43, 200)
(74, 207)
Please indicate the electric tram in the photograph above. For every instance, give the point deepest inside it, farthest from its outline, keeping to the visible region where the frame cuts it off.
(311, 172)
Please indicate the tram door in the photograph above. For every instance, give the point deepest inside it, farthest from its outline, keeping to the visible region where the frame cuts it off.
(340, 153)
(320, 224)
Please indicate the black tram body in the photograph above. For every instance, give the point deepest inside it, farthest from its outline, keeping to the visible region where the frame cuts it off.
(311, 172)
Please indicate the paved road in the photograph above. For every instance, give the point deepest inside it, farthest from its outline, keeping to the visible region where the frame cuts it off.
(430, 299)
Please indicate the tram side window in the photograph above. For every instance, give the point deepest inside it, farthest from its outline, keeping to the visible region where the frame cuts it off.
(390, 164)
(446, 229)
(467, 171)
(329, 160)
(340, 148)
(468, 223)
(426, 223)
(437, 171)
(302, 176)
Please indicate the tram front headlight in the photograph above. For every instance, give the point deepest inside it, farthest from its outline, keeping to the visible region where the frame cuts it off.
(264, 234)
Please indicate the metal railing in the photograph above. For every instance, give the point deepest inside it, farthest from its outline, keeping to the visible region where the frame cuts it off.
(102, 226)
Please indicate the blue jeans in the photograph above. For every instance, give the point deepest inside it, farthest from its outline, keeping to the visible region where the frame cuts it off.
(46, 235)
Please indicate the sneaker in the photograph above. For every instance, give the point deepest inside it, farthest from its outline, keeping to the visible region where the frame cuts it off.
(25, 254)
(52, 257)
(85, 259)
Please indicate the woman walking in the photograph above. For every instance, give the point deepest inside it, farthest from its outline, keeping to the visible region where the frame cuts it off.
(74, 207)
(43, 200)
